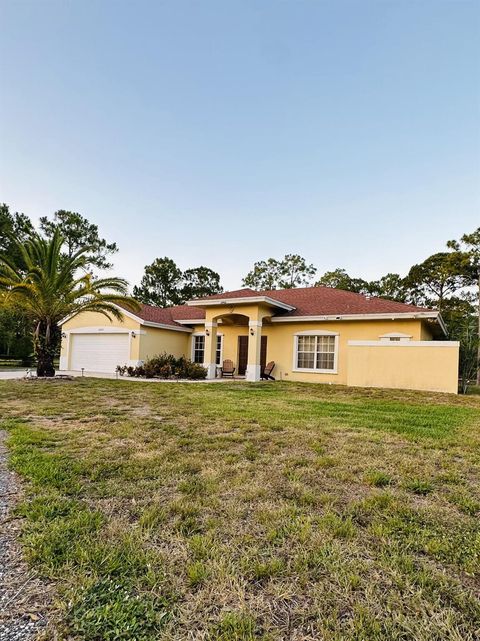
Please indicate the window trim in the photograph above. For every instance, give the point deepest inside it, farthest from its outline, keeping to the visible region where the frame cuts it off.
(221, 349)
(192, 349)
(311, 370)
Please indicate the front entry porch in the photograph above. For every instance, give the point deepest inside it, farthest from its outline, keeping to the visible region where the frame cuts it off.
(235, 332)
(241, 342)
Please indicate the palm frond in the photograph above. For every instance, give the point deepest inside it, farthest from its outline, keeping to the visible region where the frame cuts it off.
(49, 286)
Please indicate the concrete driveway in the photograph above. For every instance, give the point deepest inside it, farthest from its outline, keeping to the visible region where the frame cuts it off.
(21, 373)
(12, 373)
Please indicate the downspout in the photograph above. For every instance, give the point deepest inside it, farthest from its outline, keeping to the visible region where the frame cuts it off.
(441, 322)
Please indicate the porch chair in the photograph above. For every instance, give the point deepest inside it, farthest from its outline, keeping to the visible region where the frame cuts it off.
(266, 374)
(227, 368)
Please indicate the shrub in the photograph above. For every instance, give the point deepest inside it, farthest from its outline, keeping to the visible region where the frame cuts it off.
(165, 366)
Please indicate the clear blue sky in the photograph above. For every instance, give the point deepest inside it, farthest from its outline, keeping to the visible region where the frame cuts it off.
(224, 132)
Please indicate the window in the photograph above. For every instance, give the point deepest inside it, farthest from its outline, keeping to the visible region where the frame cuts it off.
(316, 352)
(218, 353)
(199, 349)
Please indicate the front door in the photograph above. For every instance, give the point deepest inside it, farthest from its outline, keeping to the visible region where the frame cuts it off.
(263, 353)
(242, 354)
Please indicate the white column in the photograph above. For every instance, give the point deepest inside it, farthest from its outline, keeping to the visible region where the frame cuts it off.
(254, 348)
(65, 351)
(210, 349)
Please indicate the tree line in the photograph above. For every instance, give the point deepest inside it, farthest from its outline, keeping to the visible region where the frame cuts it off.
(163, 284)
(45, 277)
(448, 280)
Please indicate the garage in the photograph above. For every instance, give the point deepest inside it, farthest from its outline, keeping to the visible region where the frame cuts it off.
(99, 352)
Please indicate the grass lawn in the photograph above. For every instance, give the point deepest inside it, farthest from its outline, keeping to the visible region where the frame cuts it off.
(240, 512)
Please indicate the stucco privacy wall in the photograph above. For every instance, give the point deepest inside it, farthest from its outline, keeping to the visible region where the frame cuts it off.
(422, 365)
(280, 343)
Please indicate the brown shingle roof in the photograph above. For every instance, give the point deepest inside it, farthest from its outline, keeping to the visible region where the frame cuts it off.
(169, 315)
(327, 301)
(323, 301)
(236, 293)
(308, 301)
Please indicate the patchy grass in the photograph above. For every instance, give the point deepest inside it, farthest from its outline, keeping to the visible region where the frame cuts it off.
(378, 478)
(243, 512)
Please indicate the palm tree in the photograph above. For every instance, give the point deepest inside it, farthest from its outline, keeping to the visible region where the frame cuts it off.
(47, 286)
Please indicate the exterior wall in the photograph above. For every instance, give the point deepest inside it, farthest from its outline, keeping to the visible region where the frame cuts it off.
(426, 333)
(432, 365)
(280, 343)
(421, 365)
(254, 312)
(147, 342)
(93, 322)
(94, 319)
(156, 341)
(230, 340)
(230, 334)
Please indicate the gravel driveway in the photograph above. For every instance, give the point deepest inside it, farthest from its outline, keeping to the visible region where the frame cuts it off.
(23, 597)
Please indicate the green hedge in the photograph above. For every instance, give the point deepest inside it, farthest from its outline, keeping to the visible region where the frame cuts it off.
(165, 366)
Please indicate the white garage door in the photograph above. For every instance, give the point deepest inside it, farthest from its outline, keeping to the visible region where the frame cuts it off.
(98, 352)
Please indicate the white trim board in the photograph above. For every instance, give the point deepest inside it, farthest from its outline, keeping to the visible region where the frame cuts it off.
(242, 300)
(139, 320)
(358, 317)
(340, 317)
(193, 321)
(188, 330)
(104, 329)
(200, 333)
(316, 332)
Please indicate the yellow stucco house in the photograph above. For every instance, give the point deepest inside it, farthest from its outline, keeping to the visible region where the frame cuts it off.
(313, 334)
